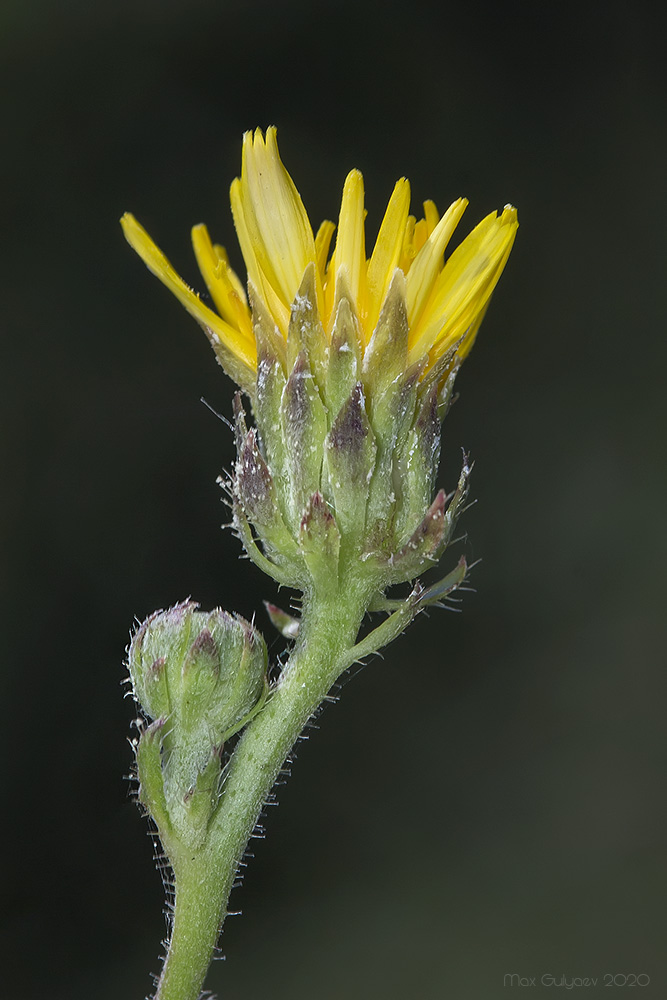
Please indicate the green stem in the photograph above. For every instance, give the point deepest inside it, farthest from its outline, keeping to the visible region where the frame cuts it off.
(197, 906)
(204, 879)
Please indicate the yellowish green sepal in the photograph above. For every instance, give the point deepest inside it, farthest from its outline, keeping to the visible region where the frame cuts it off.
(319, 540)
(305, 332)
(200, 799)
(304, 426)
(386, 357)
(422, 549)
(255, 490)
(350, 451)
(344, 368)
(148, 749)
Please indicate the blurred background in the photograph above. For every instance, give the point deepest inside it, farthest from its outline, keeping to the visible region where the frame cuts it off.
(488, 799)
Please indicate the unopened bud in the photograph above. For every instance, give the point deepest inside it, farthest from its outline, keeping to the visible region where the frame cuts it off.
(203, 671)
(201, 676)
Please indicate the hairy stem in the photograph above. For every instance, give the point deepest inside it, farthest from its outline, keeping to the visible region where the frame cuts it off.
(198, 902)
(204, 878)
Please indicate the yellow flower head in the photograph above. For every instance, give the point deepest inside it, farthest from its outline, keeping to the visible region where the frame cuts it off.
(445, 300)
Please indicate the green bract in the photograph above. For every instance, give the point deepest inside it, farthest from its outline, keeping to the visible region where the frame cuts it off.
(341, 467)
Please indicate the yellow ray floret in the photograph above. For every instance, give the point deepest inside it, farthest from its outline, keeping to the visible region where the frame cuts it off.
(445, 299)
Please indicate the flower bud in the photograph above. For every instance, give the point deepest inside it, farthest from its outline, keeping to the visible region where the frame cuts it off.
(201, 676)
(204, 671)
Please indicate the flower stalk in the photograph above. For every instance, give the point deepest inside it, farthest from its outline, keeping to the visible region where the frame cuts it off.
(349, 366)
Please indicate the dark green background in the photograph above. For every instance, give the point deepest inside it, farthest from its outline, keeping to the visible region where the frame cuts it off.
(489, 798)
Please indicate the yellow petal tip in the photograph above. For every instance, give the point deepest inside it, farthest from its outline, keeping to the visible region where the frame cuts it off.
(446, 295)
